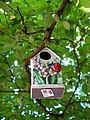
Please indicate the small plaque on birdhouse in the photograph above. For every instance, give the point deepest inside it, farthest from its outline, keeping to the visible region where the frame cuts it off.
(46, 75)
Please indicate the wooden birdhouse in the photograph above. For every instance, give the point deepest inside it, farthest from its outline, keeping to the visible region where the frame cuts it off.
(46, 75)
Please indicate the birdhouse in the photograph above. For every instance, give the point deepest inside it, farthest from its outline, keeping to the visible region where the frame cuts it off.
(46, 75)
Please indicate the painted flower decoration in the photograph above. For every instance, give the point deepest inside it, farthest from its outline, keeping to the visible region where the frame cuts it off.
(43, 74)
(52, 72)
(37, 66)
(35, 60)
(45, 70)
(43, 67)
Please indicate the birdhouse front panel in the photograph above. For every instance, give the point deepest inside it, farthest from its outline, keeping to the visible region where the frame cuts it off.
(46, 75)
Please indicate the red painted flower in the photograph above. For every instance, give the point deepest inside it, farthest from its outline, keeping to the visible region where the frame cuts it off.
(56, 67)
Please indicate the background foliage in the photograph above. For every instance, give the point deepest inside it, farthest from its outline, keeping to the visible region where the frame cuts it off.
(23, 25)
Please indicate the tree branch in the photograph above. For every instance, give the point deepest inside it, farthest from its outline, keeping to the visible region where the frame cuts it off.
(48, 112)
(35, 32)
(60, 115)
(12, 75)
(12, 91)
(78, 74)
(75, 102)
(23, 24)
(22, 19)
(12, 8)
(59, 13)
(85, 101)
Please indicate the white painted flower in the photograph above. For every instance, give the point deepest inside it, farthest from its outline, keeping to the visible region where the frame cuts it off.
(52, 72)
(35, 59)
(43, 74)
(37, 66)
(43, 67)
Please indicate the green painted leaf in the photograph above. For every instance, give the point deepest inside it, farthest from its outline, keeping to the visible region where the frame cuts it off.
(53, 79)
(39, 79)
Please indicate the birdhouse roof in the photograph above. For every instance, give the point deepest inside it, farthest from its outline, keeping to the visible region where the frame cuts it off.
(48, 49)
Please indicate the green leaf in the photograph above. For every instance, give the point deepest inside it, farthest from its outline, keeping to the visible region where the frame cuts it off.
(70, 33)
(47, 17)
(66, 25)
(85, 10)
(5, 7)
(85, 3)
(85, 88)
(57, 19)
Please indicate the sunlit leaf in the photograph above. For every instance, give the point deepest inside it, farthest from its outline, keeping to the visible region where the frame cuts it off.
(66, 25)
(85, 3)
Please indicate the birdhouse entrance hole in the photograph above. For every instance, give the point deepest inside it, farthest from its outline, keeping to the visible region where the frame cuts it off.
(45, 55)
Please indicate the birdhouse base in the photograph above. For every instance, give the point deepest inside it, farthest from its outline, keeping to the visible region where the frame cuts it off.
(47, 91)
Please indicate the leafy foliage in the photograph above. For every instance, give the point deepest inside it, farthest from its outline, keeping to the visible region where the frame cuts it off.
(23, 25)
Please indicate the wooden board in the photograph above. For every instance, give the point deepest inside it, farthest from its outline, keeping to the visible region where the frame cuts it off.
(47, 92)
